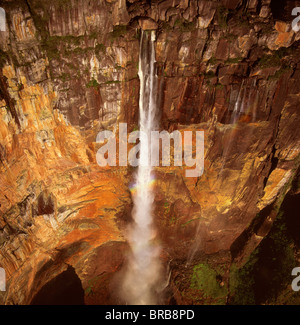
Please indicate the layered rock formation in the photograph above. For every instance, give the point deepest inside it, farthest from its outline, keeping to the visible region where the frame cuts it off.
(69, 69)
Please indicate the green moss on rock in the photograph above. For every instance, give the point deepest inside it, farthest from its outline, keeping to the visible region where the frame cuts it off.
(118, 31)
(184, 26)
(100, 48)
(92, 83)
(208, 283)
(222, 14)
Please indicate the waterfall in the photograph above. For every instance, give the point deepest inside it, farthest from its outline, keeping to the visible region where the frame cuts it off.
(238, 103)
(143, 269)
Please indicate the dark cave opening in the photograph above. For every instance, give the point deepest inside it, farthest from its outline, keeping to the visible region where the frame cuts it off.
(45, 204)
(291, 206)
(65, 289)
(277, 8)
(266, 283)
(282, 10)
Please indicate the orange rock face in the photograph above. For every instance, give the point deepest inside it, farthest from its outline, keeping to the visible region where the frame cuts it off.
(69, 71)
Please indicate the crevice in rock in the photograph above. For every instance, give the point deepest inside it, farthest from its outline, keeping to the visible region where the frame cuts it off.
(10, 103)
(128, 4)
(45, 204)
(281, 10)
(258, 7)
(40, 23)
(274, 162)
(291, 207)
(240, 243)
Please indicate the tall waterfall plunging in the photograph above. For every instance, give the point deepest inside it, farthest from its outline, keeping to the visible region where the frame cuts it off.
(142, 272)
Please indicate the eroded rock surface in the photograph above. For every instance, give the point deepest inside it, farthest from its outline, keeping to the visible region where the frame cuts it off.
(69, 69)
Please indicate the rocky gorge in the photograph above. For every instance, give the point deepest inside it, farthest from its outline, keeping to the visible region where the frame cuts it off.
(69, 69)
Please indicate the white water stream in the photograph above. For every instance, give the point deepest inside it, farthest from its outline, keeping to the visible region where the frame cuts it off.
(143, 269)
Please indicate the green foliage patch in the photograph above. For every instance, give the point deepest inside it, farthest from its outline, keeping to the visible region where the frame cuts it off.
(205, 280)
(92, 83)
(118, 31)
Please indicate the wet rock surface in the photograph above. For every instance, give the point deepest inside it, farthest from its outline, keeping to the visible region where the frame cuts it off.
(69, 69)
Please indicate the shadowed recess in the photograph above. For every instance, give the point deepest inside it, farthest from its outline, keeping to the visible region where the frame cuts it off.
(281, 10)
(65, 289)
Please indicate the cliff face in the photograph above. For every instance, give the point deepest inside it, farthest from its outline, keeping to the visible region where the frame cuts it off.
(69, 70)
